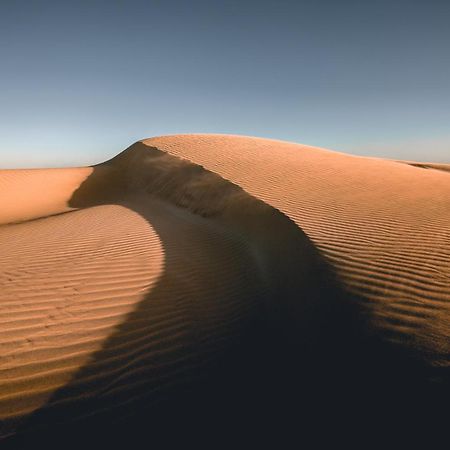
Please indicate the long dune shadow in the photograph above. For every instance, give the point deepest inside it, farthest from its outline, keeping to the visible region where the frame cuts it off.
(271, 347)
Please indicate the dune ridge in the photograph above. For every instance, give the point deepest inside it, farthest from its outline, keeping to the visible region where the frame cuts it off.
(387, 238)
(220, 261)
(426, 165)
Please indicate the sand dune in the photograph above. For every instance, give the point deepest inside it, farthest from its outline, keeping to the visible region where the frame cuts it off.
(30, 194)
(240, 283)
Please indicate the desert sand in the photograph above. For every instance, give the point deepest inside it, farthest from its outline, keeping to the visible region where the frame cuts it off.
(213, 285)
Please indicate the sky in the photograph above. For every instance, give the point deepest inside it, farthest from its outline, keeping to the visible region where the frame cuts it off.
(83, 80)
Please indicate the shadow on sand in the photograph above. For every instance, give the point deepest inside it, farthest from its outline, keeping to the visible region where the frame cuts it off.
(296, 360)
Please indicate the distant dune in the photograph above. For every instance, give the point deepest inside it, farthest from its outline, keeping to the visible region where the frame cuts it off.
(198, 286)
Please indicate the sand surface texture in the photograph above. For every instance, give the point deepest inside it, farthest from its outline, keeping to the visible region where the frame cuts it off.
(212, 279)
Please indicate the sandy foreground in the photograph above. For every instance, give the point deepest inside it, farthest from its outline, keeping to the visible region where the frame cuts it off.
(211, 285)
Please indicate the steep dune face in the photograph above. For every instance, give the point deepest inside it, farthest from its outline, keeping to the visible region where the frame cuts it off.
(225, 281)
(383, 226)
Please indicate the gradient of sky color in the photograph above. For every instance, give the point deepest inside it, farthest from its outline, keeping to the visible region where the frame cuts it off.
(82, 80)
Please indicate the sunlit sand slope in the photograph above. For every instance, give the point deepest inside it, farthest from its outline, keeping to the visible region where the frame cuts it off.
(30, 194)
(383, 226)
(220, 280)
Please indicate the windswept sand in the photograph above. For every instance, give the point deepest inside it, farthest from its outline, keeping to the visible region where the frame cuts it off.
(222, 282)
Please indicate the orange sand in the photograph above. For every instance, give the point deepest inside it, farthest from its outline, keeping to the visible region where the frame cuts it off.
(202, 276)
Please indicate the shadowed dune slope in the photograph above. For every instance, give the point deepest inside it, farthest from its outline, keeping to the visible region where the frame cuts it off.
(382, 225)
(243, 284)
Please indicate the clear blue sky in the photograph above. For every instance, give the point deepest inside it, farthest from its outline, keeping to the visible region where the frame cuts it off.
(81, 80)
